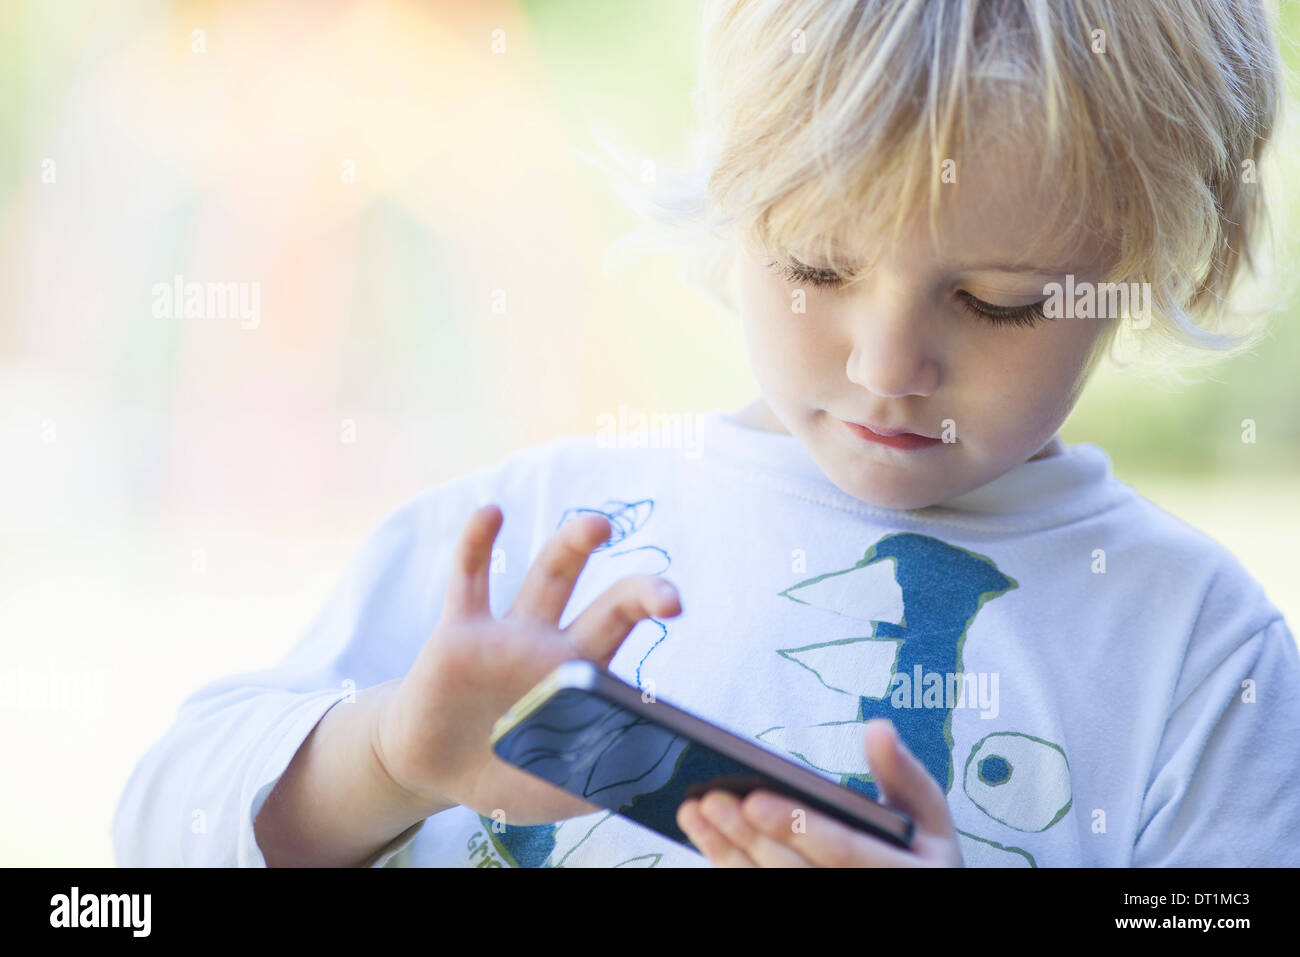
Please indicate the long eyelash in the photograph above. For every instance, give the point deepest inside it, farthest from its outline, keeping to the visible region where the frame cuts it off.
(812, 276)
(1026, 316)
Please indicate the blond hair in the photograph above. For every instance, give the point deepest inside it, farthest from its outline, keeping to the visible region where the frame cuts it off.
(817, 117)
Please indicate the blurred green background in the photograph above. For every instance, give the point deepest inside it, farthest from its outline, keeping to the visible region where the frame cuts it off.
(179, 496)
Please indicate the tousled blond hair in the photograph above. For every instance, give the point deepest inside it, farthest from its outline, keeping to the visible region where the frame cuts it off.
(821, 121)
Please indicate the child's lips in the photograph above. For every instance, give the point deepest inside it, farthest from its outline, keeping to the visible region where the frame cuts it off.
(888, 433)
(895, 438)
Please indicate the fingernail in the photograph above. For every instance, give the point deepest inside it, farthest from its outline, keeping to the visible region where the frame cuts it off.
(667, 591)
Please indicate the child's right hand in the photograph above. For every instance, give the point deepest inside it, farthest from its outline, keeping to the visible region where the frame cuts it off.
(433, 732)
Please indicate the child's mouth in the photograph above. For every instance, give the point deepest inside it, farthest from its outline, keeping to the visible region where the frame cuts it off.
(908, 441)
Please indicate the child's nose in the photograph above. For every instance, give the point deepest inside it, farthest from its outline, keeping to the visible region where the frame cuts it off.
(893, 354)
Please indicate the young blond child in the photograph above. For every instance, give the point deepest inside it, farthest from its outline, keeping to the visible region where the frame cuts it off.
(924, 202)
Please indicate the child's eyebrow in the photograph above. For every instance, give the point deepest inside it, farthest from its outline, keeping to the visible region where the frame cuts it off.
(1014, 268)
(986, 266)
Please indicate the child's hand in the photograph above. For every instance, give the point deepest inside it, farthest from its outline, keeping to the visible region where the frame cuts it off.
(758, 831)
(433, 731)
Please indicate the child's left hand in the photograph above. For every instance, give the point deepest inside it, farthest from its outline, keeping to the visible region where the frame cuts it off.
(758, 832)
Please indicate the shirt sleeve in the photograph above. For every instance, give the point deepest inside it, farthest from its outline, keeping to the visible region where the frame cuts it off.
(1227, 770)
(193, 797)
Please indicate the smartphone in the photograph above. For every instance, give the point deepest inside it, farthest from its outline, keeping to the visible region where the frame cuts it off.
(599, 738)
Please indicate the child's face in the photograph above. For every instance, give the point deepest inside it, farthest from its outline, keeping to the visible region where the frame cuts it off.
(901, 351)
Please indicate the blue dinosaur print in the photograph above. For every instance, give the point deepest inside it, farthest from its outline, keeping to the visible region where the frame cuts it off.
(943, 588)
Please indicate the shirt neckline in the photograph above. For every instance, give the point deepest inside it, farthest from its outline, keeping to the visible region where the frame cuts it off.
(1076, 482)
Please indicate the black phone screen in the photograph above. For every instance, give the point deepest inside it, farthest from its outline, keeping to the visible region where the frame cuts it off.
(612, 757)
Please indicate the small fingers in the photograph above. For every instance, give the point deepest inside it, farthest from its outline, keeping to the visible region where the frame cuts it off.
(467, 588)
(597, 633)
(722, 810)
(548, 584)
(818, 838)
(903, 781)
(710, 841)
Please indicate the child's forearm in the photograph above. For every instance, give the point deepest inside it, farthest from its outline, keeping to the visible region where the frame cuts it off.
(335, 805)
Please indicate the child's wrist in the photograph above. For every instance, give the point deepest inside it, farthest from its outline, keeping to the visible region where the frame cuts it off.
(404, 796)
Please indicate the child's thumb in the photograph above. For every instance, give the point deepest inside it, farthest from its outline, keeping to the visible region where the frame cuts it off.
(903, 781)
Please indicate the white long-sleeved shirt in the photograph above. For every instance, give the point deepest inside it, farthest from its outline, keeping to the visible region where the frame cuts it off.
(1091, 680)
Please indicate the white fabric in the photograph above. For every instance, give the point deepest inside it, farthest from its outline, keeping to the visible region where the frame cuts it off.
(1144, 714)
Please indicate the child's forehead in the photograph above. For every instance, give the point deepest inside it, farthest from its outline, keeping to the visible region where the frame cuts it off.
(1003, 209)
(997, 212)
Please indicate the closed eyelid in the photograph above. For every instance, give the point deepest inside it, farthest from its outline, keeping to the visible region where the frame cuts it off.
(1022, 286)
(1018, 281)
(995, 295)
